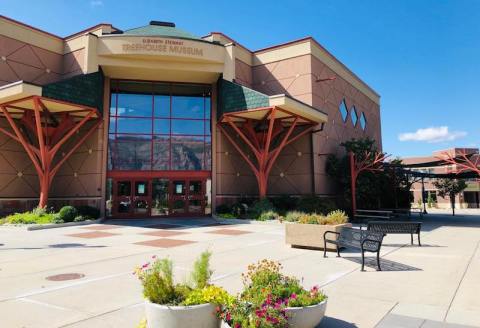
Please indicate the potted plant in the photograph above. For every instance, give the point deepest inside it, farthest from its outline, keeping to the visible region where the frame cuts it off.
(306, 230)
(274, 300)
(191, 304)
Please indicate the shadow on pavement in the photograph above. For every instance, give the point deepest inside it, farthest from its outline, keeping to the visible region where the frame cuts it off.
(329, 322)
(386, 265)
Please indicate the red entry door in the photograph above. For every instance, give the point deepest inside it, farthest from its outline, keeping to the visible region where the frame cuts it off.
(187, 197)
(132, 198)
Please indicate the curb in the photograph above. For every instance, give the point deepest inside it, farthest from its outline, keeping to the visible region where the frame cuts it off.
(62, 225)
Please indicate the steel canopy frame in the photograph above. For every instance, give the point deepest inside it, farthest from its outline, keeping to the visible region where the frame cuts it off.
(51, 133)
(260, 142)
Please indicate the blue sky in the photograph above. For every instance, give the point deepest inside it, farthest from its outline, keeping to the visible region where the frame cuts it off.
(421, 56)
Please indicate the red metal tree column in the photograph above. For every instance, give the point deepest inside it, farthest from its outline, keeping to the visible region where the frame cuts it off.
(463, 162)
(49, 139)
(367, 164)
(260, 142)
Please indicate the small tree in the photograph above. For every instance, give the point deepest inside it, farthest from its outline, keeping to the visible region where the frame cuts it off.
(450, 188)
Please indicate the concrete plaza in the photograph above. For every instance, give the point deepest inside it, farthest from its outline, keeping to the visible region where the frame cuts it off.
(436, 285)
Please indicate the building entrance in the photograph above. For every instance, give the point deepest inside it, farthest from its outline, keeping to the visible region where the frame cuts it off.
(159, 197)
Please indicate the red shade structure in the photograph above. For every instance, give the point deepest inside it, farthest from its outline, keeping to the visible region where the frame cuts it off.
(371, 162)
(264, 132)
(464, 162)
(42, 126)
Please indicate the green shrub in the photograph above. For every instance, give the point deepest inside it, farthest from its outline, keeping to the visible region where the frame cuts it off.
(68, 213)
(293, 216)
(337, 217)
(81, 218)
(269, 215)
(89, 212)
(201, 273)
(333, 218)
(159, 288)
(209, 294)
(36, 216)
(284, 203)
(223, 209)
(227, 216)
(314, 204)
(239, 209)
(57, 219)
(259, 207)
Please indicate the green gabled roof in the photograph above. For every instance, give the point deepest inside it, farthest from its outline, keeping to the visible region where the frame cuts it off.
(235, 97)
(83, 89)
(156, 30)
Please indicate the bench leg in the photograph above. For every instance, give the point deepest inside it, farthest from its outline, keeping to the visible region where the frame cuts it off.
(338, 251)
(378, 261)
(411, 239)
(419, 244)
(363, 260)
(324, 248)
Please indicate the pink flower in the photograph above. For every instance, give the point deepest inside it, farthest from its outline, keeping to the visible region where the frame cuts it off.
(293, 296)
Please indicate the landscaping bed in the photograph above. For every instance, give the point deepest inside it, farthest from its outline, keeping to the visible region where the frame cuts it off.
(41, 218)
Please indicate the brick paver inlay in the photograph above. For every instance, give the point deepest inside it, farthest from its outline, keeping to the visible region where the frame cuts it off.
(164, 233)
(102, 227)
(165, 242)
(229, 232)
(93, 234)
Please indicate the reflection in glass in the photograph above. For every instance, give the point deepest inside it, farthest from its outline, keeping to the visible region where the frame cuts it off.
(109, 197)
(162, 106)
(187, 153)
(208, 154)
(113, 104)
(195, 206)
(160, 197)
(195, 187)
(161, 126)
(134, 105)
(132, 154)
(161, 153)
(178, 206)
(188, 127)
(187, 107)
(134, 125)
(179, 109)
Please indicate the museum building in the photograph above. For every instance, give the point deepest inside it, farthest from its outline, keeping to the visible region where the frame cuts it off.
(155, 121)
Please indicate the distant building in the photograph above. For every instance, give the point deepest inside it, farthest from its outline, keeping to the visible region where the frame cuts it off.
(470, 198)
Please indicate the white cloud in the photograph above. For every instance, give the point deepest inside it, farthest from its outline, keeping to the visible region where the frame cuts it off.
(432, 134)
(96, 3)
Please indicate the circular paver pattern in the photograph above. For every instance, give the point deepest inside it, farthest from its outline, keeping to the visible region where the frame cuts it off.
(65, 276)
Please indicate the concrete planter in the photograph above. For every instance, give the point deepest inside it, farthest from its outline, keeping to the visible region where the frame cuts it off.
(310, 235)
(306, 317)
(162, 316)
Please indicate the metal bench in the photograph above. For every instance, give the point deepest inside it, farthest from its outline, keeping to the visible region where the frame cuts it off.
(364, 240)
(396, 227)
(367, 215)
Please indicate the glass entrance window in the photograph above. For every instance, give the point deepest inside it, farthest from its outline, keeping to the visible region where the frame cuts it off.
(159, 126)
(160, 197)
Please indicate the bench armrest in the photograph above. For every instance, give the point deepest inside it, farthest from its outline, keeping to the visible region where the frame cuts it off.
(379, 244)
(327, 232)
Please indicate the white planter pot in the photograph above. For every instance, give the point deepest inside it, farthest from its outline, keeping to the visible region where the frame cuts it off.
(306, 317)
(163, 316)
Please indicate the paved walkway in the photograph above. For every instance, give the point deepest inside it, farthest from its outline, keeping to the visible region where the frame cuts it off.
(429, 286)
